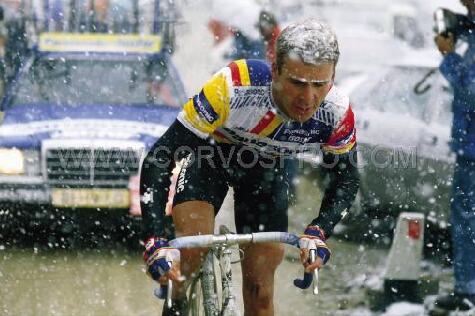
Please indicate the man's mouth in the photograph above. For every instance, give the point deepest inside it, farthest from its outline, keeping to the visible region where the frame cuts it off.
(302, 110)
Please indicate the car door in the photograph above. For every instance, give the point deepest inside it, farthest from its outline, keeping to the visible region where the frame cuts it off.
(389, 122)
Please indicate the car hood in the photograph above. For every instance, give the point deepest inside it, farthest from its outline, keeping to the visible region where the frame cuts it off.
(27, 126)
(399, 132)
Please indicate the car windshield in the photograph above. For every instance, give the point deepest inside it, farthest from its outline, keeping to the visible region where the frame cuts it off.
(418, 92)
(91, 81)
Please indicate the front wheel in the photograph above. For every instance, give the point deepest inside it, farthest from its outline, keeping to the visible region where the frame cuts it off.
(205, 291)
(195, 298)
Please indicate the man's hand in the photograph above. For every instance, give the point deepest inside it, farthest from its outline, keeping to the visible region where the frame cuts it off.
(162, 261)
(445, 44)
(313, 238)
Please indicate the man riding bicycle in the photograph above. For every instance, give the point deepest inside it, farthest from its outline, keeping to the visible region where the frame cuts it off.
(236, 132)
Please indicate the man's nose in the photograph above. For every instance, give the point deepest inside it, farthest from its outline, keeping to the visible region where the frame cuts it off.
(309, 95)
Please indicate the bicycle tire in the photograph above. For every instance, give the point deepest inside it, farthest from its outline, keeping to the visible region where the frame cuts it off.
(195, 292)
(195, 298)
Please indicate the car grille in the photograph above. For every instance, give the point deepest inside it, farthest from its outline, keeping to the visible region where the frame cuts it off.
(91, 166)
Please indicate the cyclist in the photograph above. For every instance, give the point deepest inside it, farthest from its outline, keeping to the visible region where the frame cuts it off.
(236, 132)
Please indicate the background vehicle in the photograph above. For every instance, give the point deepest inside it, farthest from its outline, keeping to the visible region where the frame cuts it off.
(404, 120)
(78, 118)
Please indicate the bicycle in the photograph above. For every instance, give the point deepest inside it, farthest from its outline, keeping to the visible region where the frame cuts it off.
(209, 293)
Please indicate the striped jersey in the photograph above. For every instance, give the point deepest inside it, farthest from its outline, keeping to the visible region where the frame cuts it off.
(236, 106)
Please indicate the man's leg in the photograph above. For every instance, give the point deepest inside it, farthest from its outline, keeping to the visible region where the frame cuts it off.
(462, 219)
(192, 218)
(258, 268)
(463, 226)
(261, 202)
(200, 191)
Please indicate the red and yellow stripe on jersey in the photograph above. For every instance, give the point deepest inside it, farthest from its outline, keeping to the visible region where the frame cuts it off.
(343, 137)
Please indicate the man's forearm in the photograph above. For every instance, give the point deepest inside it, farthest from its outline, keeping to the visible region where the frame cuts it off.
(340, 192)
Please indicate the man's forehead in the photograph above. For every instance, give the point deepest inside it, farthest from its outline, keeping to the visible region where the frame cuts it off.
(307, 80)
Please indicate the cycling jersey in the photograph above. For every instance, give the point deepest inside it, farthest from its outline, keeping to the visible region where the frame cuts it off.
(235, 109)
(236, 106)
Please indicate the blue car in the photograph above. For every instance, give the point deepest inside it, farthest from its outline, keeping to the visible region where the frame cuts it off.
(78, 118)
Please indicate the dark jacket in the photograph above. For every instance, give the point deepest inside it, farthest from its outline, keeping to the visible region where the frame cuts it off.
(459, 70)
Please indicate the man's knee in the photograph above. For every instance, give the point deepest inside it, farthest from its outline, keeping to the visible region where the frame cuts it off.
(259, 265)
(260, 294)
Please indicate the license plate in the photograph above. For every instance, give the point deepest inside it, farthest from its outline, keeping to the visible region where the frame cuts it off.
(111, 198)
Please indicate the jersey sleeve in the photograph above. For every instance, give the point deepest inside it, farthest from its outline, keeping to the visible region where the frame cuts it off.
(208, 109)
(343, 136)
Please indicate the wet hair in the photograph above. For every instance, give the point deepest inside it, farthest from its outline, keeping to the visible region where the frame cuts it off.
(310, 41)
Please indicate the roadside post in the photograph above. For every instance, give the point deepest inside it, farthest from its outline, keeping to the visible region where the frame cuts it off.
(403, 278)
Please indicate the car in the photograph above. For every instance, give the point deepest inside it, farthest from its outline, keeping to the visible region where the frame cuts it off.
(403, 120)
(77, 120)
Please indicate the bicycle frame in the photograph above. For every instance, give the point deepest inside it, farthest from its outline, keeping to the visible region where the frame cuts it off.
(207, 277)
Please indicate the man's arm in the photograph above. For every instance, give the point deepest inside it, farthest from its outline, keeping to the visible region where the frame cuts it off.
(340, 191)
(200, 116)
(453, 67)
(155, 178)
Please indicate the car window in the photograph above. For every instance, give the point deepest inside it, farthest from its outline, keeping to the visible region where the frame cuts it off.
(109, 82)
(400, 90)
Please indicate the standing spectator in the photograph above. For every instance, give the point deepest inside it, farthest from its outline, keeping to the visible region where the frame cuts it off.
(237, 19)
(459, 70)
(219, 29)
(245, 47)
(269, 30)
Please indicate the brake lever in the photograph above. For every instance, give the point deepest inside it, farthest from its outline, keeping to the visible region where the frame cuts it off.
(169, 289)
(313, 257)
(165, 291)
(309, 277)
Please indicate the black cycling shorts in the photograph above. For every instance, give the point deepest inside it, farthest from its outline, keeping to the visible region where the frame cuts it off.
(261, 186)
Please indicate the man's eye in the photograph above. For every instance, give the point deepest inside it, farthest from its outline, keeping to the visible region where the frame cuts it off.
(297, 82)
(319, 84)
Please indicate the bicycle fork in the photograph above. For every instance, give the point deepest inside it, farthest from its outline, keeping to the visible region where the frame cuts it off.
(208, 286)
(229, 300)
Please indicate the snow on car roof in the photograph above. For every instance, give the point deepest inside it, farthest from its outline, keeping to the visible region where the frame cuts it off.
(428, 58)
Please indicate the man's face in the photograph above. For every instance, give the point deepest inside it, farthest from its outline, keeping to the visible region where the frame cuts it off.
(299, 88)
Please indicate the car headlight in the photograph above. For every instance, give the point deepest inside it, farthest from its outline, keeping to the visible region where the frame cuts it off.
(11, 161)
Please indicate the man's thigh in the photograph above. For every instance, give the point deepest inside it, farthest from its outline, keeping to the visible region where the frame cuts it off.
(199, 180)
(199, 192)
(261, 201)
